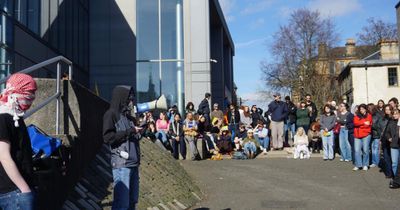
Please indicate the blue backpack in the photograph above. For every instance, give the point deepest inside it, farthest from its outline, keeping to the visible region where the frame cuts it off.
(43, 145)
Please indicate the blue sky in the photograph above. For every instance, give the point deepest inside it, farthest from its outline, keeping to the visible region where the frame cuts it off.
(253, 22)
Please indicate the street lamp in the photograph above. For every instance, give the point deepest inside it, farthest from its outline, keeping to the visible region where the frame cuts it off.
(366, 79)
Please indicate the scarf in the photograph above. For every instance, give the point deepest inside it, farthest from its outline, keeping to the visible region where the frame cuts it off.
(18, 96)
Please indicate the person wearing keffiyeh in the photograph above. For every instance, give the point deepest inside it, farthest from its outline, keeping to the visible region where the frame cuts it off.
(16, 169)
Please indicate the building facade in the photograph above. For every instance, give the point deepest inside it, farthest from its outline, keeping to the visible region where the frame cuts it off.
(181, 49)
(372, 78)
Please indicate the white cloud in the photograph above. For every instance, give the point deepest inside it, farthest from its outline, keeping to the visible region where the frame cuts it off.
(227, 7)
(256, 7)
(335, 8)
(257, 23)
(250, 43)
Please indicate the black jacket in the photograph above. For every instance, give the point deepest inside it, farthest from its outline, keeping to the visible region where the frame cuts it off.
(204, 107)
(377, 126)
(314, 112)
(291, 118)
(393, 133)
(119, 130)
(233, 119)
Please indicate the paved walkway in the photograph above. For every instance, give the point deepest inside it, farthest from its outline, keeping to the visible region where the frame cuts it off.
(282, 183)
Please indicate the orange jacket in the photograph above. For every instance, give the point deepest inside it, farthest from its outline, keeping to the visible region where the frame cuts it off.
(360, 129)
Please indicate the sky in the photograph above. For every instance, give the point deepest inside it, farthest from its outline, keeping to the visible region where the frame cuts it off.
(252, 24)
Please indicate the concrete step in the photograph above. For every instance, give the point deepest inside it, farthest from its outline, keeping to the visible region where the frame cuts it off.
(286, 153)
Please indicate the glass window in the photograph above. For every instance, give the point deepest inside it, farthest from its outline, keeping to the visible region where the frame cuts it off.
(7, 6)
(5, 64)
(34, 15)
(169, 18)
(6, 31)
(147, 30)
(169, 81)
(147, 81)
(20, 11)
(392, 75)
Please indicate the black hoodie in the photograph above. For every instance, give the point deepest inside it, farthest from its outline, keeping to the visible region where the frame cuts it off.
(119, 130)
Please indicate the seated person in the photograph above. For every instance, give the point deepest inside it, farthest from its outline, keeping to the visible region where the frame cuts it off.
(250, 145)
(240, 136)
(301, 144)
(177, 137)
(223, 142)
(314, 135)
(151, 134)
(261, 133)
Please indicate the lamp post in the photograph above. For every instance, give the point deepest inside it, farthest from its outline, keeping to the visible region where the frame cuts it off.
(366, 79)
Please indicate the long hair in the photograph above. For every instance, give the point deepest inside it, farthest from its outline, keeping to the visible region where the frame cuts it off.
(188, 106)
(300, 130)
(364, 106)
(330, 109)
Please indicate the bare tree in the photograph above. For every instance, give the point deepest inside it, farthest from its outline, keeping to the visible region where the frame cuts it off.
(377, 30)
(295, 53)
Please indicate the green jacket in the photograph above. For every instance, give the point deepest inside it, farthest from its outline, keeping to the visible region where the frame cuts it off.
(302, 117)
(246, 140)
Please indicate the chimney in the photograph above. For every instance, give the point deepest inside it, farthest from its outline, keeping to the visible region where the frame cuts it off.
(389, 49)
(322, 50)
(350, 48)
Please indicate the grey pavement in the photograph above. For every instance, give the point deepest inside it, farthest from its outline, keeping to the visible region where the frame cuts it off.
(282, 183)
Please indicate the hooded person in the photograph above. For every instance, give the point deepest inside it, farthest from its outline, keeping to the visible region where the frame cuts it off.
(16, 168)
(120, 133)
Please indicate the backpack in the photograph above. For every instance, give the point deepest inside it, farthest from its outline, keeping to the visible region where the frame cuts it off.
(239, 156)
(42, 144)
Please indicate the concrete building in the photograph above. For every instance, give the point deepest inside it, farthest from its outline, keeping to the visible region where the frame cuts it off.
(374, 77)
(181, 49)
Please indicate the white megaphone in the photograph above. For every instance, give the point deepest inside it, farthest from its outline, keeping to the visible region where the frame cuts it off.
(160, 103)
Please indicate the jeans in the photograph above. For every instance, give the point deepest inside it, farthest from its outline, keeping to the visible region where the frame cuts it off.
(362, 157)
(375, 151)
(17, 200)
(179, 146)
(327, 144)
(264, 142)
(233, 128)
(394, 152)
(344, 144)
(387, 162)
(250, 147)
(192, 141)
(162, 137)
(289, 127)
(126, 188)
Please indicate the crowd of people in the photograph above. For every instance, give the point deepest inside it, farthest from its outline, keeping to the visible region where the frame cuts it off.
(366, 135)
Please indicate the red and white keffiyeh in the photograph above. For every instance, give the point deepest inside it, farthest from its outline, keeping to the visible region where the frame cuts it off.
(18, 95)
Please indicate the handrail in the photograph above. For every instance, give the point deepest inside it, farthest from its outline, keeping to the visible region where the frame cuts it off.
(57, 95)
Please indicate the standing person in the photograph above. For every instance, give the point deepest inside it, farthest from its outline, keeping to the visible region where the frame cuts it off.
(386, 166)
(216, 113)
(362, 137)
(377, 130)
(245, 117)
(303, 117)
(177, 137)
(233, 116)
(120, 133)
(190, 108)
(344, 144)
(327, 123)
(393, 139)
(278, 112)
(190, 129)
(290, 122)
(312, 108)
(16, 169)
(204, 107)
(162, 126)
(394, 103)
(380, 108)
(255, 116)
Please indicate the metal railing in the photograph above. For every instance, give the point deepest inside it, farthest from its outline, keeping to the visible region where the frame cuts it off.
(57, 95)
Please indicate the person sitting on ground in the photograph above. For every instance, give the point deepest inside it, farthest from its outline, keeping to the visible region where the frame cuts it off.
(177, 137)
(190, 129)
(223, 142)
(314, 135)
(240, 136)
(301, 144)
(204, 130)
(162, 125)
(250, 145)
(261, 133)
(151, 134)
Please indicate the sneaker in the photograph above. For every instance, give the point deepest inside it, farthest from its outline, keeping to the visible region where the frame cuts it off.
(356, 169)
(265, 152)
(301, 156)
(365, 168)
(347, 160)
(372, 166)
(341, 160)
